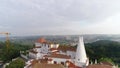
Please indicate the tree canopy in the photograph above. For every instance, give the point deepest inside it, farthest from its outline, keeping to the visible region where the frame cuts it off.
(104, 49)
(12, 51)
(18, 63)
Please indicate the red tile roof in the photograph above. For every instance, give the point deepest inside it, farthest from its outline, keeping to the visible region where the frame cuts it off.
(67, 48)
(58, 56)
(98, 66)
(72, 65)
(42, 63)
(39, 65)
(32, 51)
(50, 59)
(37, 46)
(43, 60)
(34, 62)
(51, 49)
(41, 40)
(106, 63)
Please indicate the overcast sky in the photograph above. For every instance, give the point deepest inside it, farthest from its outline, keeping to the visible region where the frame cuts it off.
(56, 17)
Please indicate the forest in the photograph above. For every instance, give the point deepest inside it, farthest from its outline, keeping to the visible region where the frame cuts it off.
(104, 49)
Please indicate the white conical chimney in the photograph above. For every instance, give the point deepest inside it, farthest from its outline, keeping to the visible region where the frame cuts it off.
(81, 58)
(95, 61)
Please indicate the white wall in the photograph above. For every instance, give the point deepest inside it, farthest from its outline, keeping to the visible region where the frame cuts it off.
(54, 45)
(44, 48)
(40, 55)
(62, 52)
(51, 45)
(32, 55)
(72, 54)
(59, 60)
(38, 49)
(38, 44)
(57, 45)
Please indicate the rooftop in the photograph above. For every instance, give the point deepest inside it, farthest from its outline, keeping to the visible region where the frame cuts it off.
(66, 48)
(98, 66)
(58, 56)
(41, 40)
(37, 46)
(39, 65)
(32, 51)
(106, 63)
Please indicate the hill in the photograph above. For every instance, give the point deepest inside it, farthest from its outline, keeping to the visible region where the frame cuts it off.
(104, 49)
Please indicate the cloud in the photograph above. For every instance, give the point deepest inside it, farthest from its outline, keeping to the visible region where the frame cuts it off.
(57, 16)
(108, 26)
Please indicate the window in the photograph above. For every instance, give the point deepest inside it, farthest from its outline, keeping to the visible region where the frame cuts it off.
(74, 57)
(62, 63)
(55, 62)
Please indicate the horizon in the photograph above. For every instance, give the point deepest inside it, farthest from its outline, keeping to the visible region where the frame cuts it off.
(59, 17)
(2, 36)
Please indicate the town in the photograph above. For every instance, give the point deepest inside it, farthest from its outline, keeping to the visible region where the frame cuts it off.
(51, 54)
(59, 34)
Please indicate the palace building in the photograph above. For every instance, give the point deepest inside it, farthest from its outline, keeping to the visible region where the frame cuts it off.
(52, 54)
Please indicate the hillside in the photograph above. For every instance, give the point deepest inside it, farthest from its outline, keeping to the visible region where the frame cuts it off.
(104, 49)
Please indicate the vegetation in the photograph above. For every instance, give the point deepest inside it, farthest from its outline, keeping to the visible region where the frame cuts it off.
(99, 50)
(102, 50)
(18, 63)
(106, 60)
(11, 52)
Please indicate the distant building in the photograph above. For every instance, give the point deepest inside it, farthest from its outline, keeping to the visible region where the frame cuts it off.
(51, 54)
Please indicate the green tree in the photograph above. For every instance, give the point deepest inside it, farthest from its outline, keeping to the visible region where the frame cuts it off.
(12, 51)
(106, 60)
(18, 63)
(9, 53)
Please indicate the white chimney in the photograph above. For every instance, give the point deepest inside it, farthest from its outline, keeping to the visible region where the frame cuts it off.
(81, 58)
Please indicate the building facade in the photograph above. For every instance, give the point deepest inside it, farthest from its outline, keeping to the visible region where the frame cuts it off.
(53, 53)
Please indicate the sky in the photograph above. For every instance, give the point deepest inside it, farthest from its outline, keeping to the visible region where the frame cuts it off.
(60, 17)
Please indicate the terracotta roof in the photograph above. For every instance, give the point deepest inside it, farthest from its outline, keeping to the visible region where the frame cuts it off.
(67, 48)
(32, 51)
(39, 65)
(55, 52)
(50, 59)
(34, 62)
(37, 46)
(51, 49)
(43, 60)
(98, 66)
(41, 40)
(58, 56)
(106, 63)
(71, 65)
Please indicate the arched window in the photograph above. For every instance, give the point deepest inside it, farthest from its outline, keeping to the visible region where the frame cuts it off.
(55, 62)
(62, 63)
